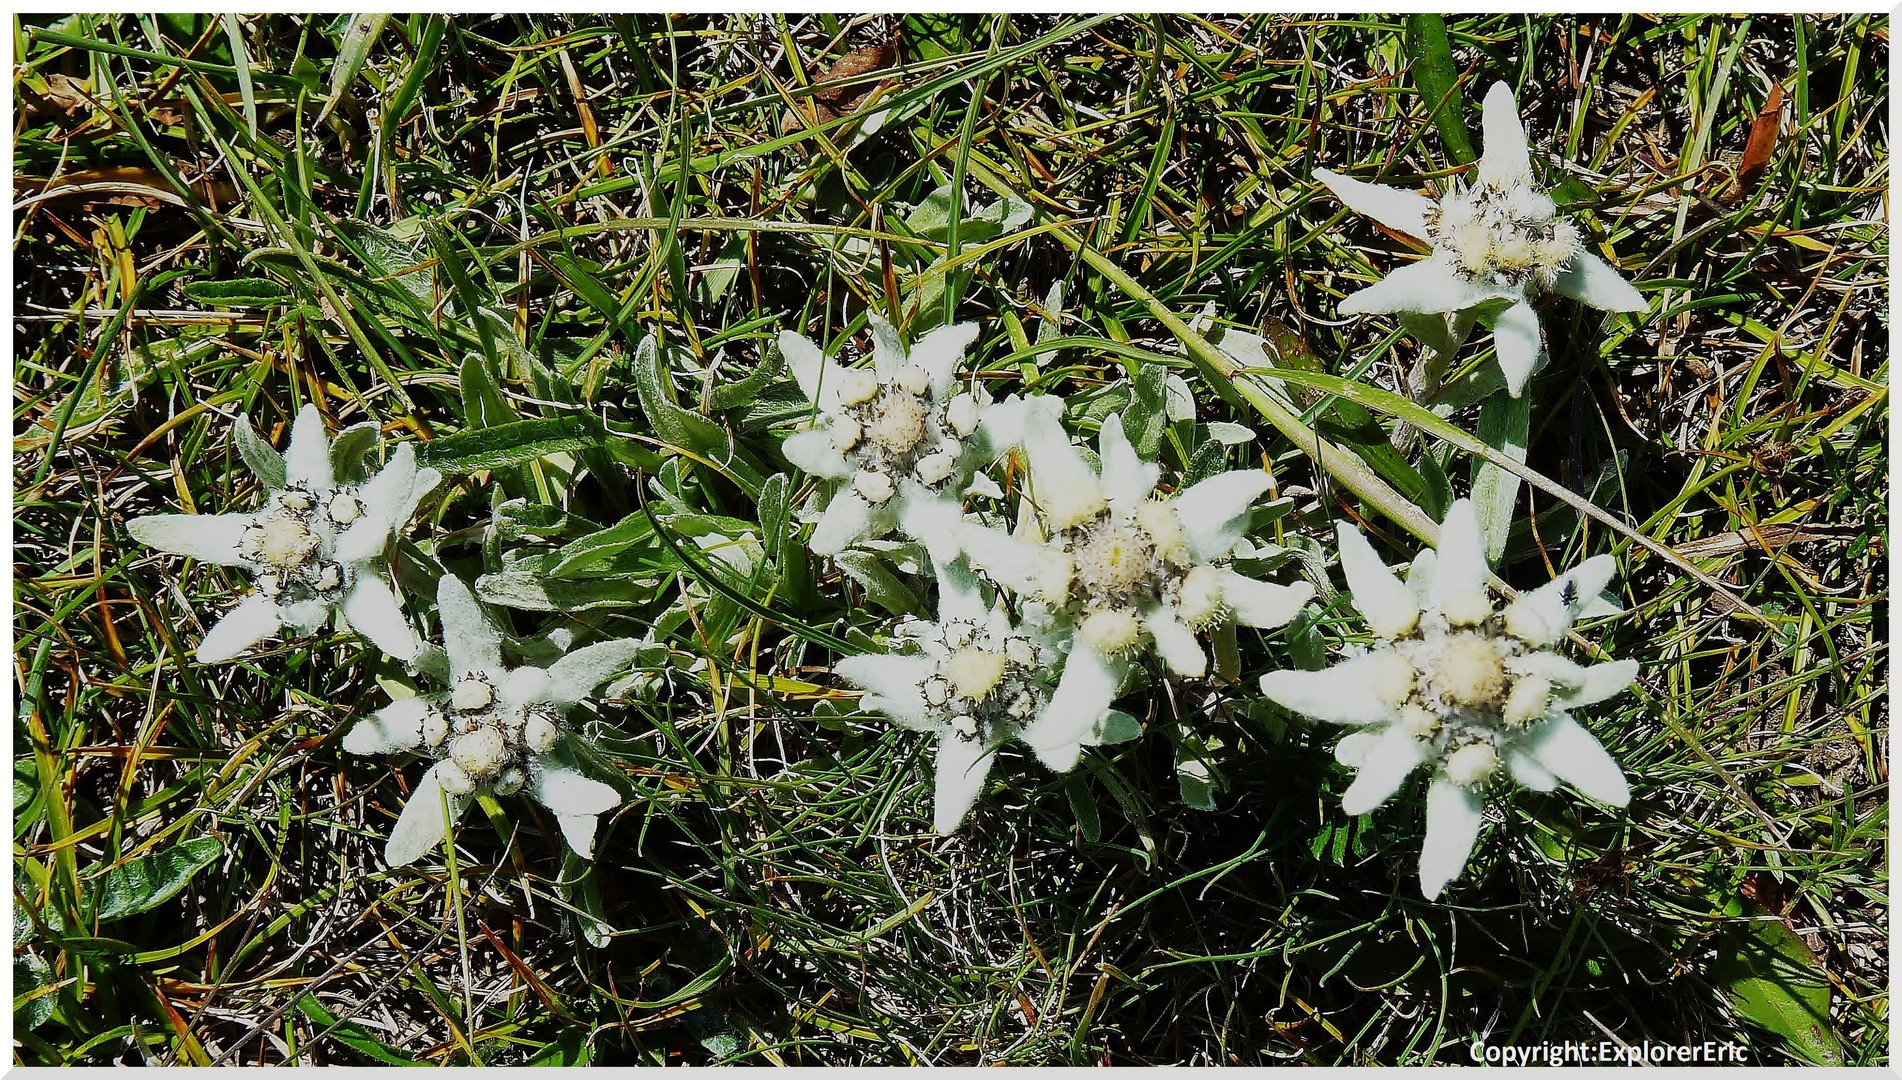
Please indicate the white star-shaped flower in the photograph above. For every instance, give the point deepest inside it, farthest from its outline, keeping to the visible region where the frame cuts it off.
(496, 728)
(314, 550)
(1500, 239)
(894, 434)
(975, 681)
(1456, 688)
(1127, 571)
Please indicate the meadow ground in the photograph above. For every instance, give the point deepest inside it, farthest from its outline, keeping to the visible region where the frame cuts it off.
(452, 224)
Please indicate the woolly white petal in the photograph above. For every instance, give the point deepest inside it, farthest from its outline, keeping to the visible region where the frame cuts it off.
(847, 520)
(1460, 569)
(211, 538)
(1576, 685)
(1398, 209)
(888, 349)
(1383, 768)
(1517, 344)
(363, 542)
(1263, 604)
(1011, 561)
(818, 376)
(1176, 643)
(307, 459)
(1082, 698)
(242, 627)
(1429, 286)
(1591, 280)
(960, 594)
(574, 677)
(526, 686)
(388, 492)
(962, 766)
(892, 685)
(1059, 471)
(1215, 511)
(1505, 159)
(1354, 746)
(472, 644)
(1529, 773)
(1342, 694)
(1573, 755)
(304, 616)
(930, 518)
(422, 825)
(1420, 575)
(1453, 814)
(1127, 479)
(1387, 604)
(939, 352)
(1543, 615)
(813, 451)
(371, 609)
(1002, 425)
(395, 727)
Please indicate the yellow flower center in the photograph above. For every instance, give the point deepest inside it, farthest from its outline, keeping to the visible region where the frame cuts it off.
(1470, 672)
(974, 672)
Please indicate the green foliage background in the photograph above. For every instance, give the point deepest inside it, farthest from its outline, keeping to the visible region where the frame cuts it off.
(465, 228)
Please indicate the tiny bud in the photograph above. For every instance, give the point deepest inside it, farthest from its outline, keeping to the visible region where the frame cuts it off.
(453, 779)
(858, 386)
(510, 781)
(1472, 764)
(962, 414)
(846, 433)
(932, 469)
(875, 486)
(1531, 696)
(913, 379)
(1392, 678)
(480, 752)
(1199, 601)
(540, 732)
(1112, 631)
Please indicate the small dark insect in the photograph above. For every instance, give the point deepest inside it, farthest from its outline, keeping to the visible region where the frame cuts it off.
(1568, 593)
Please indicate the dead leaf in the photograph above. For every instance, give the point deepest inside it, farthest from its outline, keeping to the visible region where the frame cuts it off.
(829, 104)
(1757, 150)
(1765, 538)
(64, 99)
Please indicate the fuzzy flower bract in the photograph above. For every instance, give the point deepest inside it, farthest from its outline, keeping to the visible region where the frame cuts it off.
(315, 549)
(1500, 239)
(1468, 693)
(974, 680)
(496, 728)
(1125, 571)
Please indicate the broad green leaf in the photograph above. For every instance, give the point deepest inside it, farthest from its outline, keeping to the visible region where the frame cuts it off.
(584, 554)
(483, 405)
(1438, 80)
(1776, 982)
(351, 1035)
(352, 52)
(264, 462)
(881, 586)
(528, 590)
(1117, 727)
(349, 446)
(1076, 787)
(238, 292)
(1504, 423)
(512, 443)
(144, 883)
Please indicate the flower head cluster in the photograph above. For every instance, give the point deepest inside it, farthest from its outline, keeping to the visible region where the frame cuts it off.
(1123, 570)
(894, 432)
(495, 728)
(975, 680)
(1468, 693)
(314, 549)
(1501, 239)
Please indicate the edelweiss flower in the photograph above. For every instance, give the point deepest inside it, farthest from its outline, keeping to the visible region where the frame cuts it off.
(496, 728)
(314, 549)
(976, 682)
(1124, 569)
(1461, 690)
(894, 432)
(1500, 240)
